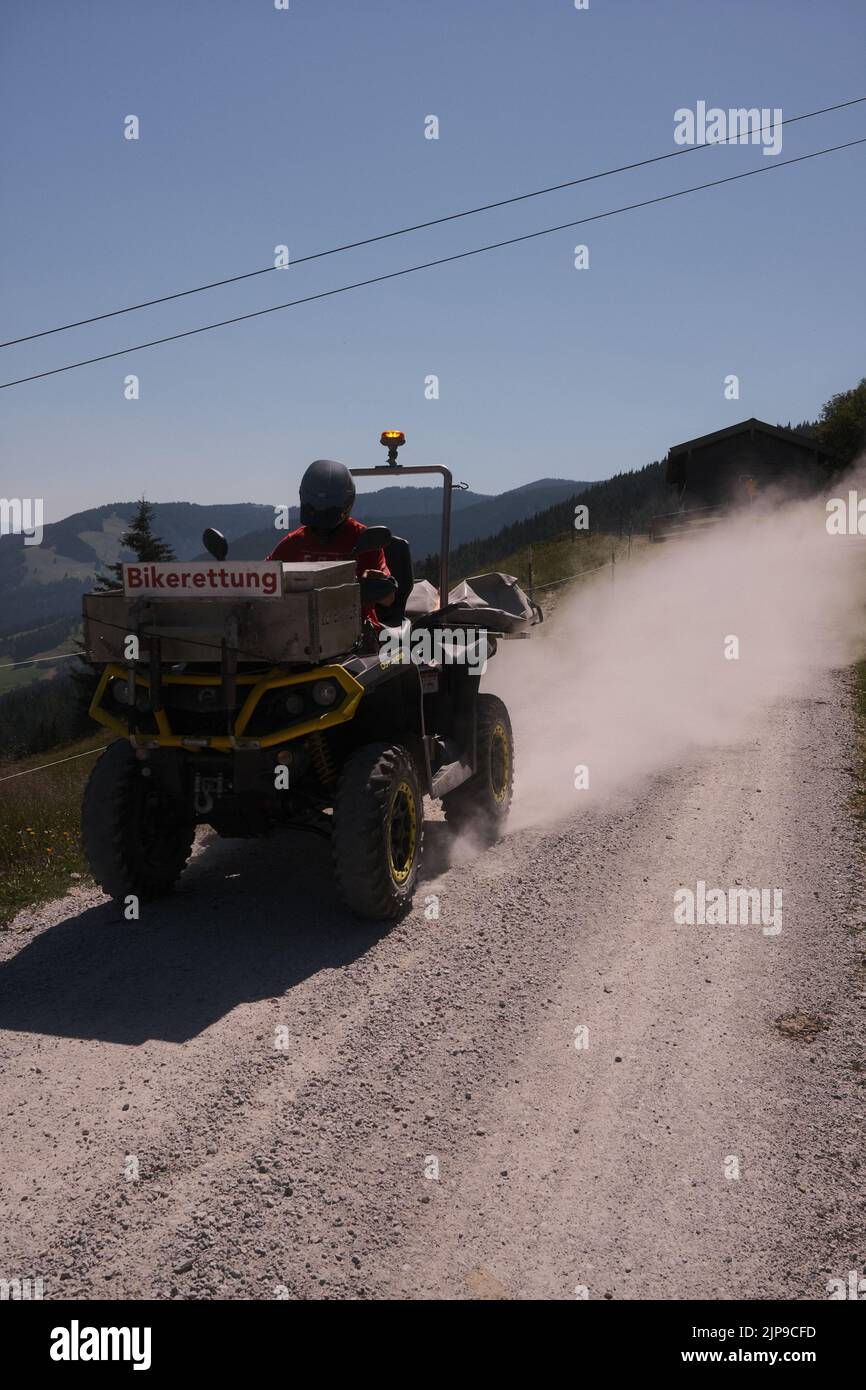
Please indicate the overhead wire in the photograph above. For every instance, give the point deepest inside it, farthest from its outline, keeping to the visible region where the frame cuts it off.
(428, 265)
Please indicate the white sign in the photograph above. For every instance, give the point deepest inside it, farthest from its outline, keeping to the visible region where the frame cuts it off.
(203, 579)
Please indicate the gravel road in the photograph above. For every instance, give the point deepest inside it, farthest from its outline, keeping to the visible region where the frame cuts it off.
(246, 1095)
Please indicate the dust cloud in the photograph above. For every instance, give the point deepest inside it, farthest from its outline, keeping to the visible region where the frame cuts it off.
(631, 677)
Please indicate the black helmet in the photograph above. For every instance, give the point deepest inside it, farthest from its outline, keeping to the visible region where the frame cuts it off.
(327, 494)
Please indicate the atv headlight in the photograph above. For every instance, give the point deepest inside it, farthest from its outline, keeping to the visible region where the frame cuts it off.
(294, 703)
(325, 692)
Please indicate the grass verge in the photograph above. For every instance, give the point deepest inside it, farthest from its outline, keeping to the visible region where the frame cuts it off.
(40, 842)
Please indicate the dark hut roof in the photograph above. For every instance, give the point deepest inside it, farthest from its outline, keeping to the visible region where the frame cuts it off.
(802, 441)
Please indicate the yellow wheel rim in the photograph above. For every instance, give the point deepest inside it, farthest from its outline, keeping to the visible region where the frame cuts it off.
(402, 833)
(500, 763)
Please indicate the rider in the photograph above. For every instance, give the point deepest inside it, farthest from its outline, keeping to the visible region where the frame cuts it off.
(328, 532)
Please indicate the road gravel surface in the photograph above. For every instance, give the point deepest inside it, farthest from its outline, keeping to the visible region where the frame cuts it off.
(536, 1086)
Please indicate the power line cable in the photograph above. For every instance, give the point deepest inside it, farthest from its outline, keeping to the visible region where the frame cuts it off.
(427, 265)
(421, 226)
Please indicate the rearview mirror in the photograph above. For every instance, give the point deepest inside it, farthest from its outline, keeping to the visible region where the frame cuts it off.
(372, 538)
(215, 543)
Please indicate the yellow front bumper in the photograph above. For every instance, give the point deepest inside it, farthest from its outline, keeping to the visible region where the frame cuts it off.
(260, 686)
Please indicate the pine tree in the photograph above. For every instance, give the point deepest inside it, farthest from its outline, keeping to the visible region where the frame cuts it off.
(139, 538)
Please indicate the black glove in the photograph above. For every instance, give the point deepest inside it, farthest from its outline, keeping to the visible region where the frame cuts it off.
(375, 587)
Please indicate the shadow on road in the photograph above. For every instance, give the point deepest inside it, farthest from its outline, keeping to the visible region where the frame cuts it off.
(250, 920)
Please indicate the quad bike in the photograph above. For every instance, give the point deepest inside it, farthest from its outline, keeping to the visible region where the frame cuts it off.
(251, 695)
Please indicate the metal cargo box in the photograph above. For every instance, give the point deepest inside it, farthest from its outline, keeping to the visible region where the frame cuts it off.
(316, 618)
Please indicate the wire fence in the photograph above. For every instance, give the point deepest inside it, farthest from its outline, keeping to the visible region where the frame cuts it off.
(582, 574)
(31, 660)
(88, 753)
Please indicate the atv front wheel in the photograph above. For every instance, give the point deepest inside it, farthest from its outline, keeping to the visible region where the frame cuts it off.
(481, 804)
(378, 831)
(136, 839)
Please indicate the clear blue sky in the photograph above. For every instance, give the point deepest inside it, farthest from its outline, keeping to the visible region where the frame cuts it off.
(306, 127)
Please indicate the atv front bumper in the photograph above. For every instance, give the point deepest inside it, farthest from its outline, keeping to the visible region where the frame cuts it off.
(190, 711)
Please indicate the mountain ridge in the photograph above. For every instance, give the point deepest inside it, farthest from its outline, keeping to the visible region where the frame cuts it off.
(45, 583)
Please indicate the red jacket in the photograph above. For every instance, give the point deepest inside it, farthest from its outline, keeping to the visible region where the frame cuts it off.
(303, 544)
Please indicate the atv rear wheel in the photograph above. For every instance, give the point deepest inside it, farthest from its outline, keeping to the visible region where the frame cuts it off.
(136, 839)
(378, 830)
(481, 804)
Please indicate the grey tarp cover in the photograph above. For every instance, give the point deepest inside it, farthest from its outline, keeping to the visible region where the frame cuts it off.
(494, 601)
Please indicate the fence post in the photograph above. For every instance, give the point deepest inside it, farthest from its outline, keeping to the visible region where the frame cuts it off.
(531, 574)
(613, 565)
